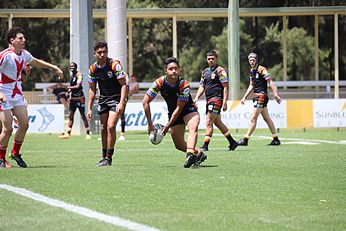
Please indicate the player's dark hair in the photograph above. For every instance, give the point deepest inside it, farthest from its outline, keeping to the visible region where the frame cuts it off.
(171, 60)
(12, 33)
(74, 64)
(100, 44)
(212, 53)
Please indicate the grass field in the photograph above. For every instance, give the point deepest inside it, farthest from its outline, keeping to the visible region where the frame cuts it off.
(300, 185)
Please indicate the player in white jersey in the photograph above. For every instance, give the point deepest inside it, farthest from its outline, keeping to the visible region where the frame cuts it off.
(12, 61)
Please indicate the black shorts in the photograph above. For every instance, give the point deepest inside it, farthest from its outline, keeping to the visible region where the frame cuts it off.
(62, 96)
(108, 103)
(214, 105)
(77, 103)
(180, 119)
(260, 100)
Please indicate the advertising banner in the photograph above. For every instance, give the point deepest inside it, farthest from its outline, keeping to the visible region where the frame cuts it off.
(329, 113)
(135, 117)
(325, 113)
(237, 115)
(46, 118)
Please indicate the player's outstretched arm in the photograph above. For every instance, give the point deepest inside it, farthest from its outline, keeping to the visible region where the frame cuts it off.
(43, 64)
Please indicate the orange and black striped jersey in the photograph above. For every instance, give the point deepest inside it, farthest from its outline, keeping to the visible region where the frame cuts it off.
(259, 76)
(107, 77)
(212, 80)
(180, 91)
(76, 78)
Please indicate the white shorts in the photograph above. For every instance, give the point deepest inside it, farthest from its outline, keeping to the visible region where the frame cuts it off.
(9, 104)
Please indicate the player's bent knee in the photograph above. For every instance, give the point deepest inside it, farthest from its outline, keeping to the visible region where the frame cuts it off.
(111, 128)
(253, 120)
(103, 128)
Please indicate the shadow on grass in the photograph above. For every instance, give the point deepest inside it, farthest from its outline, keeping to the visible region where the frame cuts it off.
(208, 166)
(49, 166)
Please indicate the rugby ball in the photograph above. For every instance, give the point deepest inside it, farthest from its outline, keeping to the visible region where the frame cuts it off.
(155, 136)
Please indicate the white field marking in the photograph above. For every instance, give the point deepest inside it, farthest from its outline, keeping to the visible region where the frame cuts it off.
(93, 151)
(308, 140)
(117, 221)
(298, 139)
(300, 142)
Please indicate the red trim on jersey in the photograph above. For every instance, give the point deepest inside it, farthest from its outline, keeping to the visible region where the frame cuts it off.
(6, 79)
(19, 68)
(16, 91)
(92, 68)
(183, 85)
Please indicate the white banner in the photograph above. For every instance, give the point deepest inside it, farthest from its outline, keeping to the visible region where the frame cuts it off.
(329, 113)
(238, 115)
(135, 117)
(46, 118)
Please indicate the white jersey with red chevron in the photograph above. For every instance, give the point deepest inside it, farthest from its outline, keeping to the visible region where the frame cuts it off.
(11, 66)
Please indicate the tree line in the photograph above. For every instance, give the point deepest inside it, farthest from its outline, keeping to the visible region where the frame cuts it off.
(48, 39)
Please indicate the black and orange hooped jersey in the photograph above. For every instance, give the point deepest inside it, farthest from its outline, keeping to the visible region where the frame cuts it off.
(212, 79)
(172, 93)
(77, 78)
(259, 76)
(107, 77)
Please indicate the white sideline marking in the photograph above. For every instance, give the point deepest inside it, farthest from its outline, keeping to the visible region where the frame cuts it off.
(300, 142)
(308, 140)
(79, 210)
(299, 139)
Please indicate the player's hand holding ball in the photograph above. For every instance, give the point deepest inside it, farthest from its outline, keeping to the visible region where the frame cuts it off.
(156, 135)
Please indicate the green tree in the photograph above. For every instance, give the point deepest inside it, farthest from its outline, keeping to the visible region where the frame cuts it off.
(49, 39)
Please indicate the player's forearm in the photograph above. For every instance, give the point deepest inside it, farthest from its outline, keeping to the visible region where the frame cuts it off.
(225, 93)
(172, 120)
(44, 64)
(273, 87)
(124, 93)
(146, 108)
(199, 93)
(248, 91)
(91, 99)
(74, 87)
(176, 113)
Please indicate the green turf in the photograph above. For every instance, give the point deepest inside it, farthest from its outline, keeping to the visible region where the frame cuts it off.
(289, 187)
